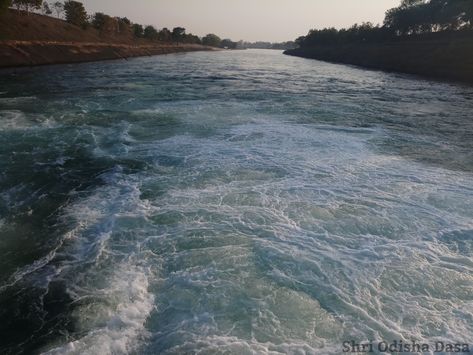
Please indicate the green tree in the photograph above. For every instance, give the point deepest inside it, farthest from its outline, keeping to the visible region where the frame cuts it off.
(165, 35)
(125, 20)
(105, 23)
(190, 38)
(150, 33)
(211, 40)
(137, 30)
(75, 13)
(178, 34)
(100, 21)
(124, 25)
(419, 16)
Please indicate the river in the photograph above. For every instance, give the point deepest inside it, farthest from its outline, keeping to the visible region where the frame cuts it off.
(234, 202)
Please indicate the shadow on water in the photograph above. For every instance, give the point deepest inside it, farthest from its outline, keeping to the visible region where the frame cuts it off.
(38, 181)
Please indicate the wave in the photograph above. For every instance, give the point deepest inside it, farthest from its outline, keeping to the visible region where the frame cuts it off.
(108, 287)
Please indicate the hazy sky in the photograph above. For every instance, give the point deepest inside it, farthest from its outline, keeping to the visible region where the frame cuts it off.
(268, 20)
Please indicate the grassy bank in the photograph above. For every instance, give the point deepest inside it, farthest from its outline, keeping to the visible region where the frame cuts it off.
(38, 40)
(448, 57)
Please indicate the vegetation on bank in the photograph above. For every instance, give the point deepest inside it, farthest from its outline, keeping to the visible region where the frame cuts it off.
(215, 41)
(432, 38)
(270, 45)
(411, 18)
(38, 40)
(75, 13)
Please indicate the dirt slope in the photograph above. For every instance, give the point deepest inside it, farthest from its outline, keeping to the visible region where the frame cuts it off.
(37, 40)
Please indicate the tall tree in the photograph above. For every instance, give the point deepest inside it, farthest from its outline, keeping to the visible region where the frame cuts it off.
(178, 34)
(137, 30)
(150, 33)
(124, 25)
(101, 22)
(165, 35)
(75, 13)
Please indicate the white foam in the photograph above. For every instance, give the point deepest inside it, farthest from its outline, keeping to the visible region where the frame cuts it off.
(13, 120)
(124, 328)
(234, 345)
(114, 323)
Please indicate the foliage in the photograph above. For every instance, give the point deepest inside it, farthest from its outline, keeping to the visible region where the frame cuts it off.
(75, 13)
(150, 33)
(267, 45)
(418, 16)
(412, 17)
(165, 35)
(178, 34)
(193, 39)
(124, 25)
(228, 44)
(366, 32)
(137, 30)
(98, 20)
(211, 40)
(125, 20)
(104, 23)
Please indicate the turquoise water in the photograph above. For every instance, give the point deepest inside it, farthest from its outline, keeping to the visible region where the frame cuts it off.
(232, 203)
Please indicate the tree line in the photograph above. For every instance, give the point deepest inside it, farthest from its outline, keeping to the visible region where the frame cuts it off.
(269, 45)
(75, 13)
(410, 18)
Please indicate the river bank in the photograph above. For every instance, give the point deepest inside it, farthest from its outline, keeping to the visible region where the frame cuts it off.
(28, 53)
(446, 58)
(33, 39)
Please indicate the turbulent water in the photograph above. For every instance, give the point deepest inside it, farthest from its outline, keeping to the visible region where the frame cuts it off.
(232, 203)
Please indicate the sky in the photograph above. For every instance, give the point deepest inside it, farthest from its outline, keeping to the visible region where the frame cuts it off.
(250, 20)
